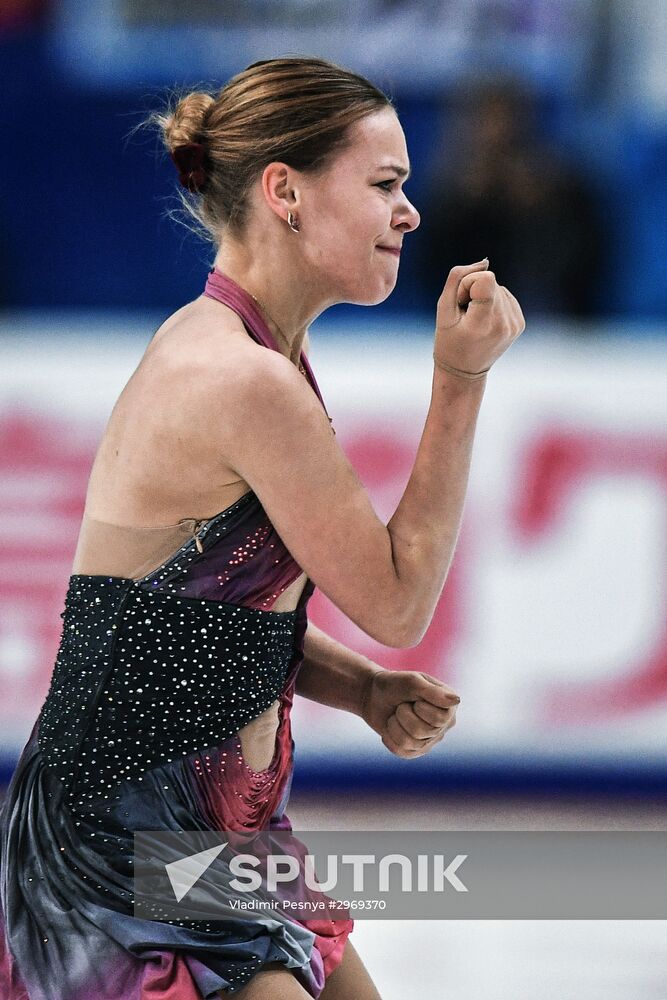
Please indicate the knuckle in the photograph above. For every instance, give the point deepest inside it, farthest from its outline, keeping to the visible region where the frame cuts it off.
(485, 287)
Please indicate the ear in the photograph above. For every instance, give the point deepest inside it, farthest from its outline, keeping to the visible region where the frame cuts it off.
(280, 187)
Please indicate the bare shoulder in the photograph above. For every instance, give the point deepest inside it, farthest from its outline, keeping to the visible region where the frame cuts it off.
(206, 363)
(183, 379)
(201, 358)
(200, 335)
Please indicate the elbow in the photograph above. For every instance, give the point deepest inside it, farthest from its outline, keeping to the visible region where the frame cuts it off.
(409, 624)
(409, 639)
(401, 640)
(399, 634)
(396, 621)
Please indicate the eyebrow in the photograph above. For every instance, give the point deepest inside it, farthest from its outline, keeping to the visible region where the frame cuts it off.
(401, 171)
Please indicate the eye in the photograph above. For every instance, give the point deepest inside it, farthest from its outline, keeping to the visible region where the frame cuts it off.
(386, 185)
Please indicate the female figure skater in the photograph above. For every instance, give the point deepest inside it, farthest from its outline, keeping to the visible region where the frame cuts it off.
(219, 498)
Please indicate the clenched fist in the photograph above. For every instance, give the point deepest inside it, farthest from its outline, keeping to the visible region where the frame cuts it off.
(476, 321)
(410, 710)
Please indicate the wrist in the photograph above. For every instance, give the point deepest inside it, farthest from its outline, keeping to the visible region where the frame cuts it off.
(467, 392)
(333, 675)
(470, 376)
(367, 688)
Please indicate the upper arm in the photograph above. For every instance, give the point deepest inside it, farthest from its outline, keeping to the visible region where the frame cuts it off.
(274, 432)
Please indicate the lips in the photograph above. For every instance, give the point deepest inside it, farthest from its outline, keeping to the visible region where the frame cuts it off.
(395, 250)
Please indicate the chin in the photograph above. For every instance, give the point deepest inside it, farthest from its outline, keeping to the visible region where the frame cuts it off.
(372, 293)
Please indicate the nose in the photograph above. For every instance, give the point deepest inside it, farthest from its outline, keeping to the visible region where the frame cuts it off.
(406, 217)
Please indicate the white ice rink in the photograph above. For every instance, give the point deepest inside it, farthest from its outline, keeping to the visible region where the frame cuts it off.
(515, 959)
(503, 959)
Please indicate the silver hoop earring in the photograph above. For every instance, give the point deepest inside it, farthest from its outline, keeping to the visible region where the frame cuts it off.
(292, 222)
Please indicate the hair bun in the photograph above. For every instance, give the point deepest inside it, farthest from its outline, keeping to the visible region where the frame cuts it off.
(182, 130)
(186, 122)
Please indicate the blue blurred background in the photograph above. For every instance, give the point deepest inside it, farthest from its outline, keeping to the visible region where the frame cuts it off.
(82, 202)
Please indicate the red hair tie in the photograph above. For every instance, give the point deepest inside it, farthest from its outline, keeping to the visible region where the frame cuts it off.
(189, 160)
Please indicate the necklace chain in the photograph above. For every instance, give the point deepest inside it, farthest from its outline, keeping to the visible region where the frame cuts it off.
(284, 338)
(286, 342)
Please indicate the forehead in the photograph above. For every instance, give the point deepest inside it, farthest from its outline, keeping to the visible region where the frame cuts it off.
(376, 140)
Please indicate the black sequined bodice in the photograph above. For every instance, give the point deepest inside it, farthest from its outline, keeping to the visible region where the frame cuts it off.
(146, 674)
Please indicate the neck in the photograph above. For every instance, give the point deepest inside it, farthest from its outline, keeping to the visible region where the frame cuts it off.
(282, 296)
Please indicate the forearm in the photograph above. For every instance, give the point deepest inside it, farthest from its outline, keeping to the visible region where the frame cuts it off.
(425, 526)
(332, 674)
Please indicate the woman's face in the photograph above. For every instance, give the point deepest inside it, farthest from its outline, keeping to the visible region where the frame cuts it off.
(354, 214)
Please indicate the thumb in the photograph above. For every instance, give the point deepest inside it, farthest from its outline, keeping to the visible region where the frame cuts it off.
(448, 303)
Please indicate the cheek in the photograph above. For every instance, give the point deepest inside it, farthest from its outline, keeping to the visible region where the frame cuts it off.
(340, 248)
(345, 234)
(350, 222)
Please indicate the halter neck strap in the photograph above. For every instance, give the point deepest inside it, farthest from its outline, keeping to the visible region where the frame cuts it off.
(222, 288)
